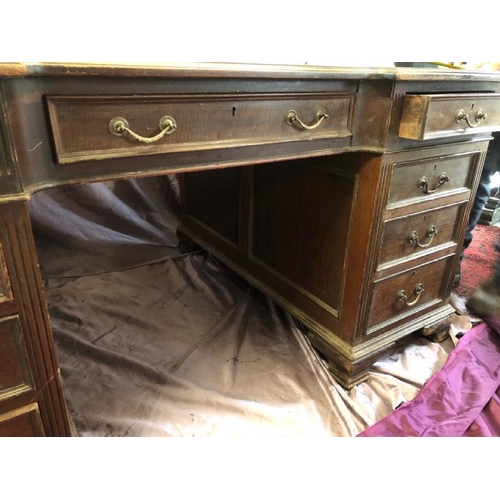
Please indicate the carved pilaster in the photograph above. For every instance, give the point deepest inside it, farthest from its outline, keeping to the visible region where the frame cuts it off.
(30, 306)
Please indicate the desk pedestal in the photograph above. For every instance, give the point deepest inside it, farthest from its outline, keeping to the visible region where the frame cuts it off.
(350, 245)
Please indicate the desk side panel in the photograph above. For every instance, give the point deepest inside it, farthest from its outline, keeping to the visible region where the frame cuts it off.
(33, 325)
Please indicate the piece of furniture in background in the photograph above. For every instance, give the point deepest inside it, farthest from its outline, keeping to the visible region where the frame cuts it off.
(341, 193)
(491, 212)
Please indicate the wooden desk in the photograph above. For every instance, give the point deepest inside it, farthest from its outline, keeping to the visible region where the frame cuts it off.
(348, 203)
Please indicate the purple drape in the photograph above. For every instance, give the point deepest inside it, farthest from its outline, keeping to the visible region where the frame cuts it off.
(462, 399)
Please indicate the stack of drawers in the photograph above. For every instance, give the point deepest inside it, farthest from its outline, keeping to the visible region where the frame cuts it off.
(426, 214)
(422, 232)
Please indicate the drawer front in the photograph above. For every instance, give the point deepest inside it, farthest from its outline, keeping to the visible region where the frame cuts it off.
(401, 295)
(23, 422)
(415, 234)
(420, 180)
(430, 116)
(95, 127)
(15, 375)
(5, 290)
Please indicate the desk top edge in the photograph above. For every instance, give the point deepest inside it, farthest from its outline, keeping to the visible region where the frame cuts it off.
(236, 70)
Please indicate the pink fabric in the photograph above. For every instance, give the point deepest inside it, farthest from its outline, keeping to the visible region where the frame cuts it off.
(462, 399)
(487, 424)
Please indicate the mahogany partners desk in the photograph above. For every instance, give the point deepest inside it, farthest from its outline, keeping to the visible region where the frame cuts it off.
(346, 203)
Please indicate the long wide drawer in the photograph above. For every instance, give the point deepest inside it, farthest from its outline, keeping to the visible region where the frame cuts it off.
(99, 127)
(431, 116)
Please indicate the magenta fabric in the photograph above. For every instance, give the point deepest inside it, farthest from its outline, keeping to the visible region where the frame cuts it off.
(487, 424)
(462, 399)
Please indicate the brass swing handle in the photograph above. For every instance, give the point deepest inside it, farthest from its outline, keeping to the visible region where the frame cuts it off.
(418, 292)
(480, 116)
(119, 126)
(431, 232)
(292, 118)
(423, 183)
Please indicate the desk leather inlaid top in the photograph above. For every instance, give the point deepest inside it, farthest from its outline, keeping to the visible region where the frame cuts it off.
(234, 70)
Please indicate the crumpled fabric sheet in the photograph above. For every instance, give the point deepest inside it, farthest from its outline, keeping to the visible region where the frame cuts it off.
(191, 353)
(154, 342)
(185, 347)
(105, 226)
(462, 399)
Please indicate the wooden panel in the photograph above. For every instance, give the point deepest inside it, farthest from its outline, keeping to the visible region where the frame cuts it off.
(81, 124)
(397, 241)
(213, 198)
(20, 255)
(430, 116)
(301, 225)
(407, 176)
(289, 295)
(15, 376)
(385, 304)
(24, 422)
(9, 175)
(5, 289)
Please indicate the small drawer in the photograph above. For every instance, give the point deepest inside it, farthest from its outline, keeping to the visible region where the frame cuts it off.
(431, 116)
(408, 292)
(15, 375)
(413, 235)
(99, 127)
(419, 180)
(5, 290)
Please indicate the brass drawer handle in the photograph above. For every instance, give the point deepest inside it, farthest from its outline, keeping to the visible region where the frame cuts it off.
(431, 232)
(423, 183)
(480, 116)
(418, 292)
(292, 118)
(119, 126)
